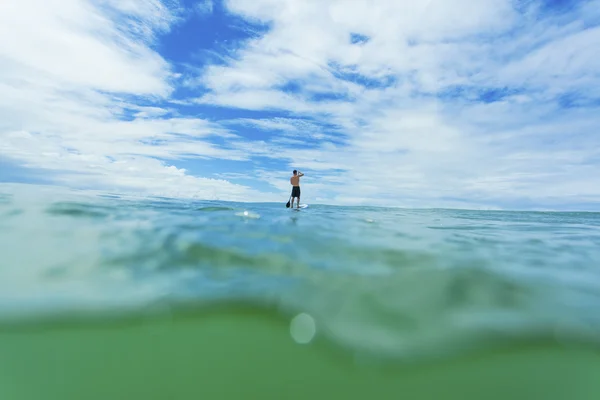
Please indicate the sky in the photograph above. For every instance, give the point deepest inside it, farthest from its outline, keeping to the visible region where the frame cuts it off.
(491, 104)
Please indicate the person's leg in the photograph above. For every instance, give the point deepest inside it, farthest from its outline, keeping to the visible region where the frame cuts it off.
(295, 195)
(298, 203)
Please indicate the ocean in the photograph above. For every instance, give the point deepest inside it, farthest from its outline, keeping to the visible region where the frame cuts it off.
(111, 297)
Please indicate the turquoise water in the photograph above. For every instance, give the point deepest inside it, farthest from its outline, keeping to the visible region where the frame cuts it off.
(344, 291)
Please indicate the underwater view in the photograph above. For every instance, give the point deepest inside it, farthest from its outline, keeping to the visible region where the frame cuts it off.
(104, 296)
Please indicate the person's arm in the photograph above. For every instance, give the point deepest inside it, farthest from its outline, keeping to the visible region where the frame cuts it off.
(300, 173)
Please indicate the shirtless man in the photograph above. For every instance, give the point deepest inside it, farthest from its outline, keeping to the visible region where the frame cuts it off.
(295, 181)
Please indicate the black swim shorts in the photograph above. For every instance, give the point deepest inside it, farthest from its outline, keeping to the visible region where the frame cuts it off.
(296, 191)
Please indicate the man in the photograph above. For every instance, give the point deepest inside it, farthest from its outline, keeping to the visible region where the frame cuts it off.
(295, 181)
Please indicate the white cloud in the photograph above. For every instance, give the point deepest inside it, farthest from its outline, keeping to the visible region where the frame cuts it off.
(74, 43)
(404, 142)
(568, 62)
(286, 131)
(67, 71)
(389, 128)
(255, 100)
(204, 7)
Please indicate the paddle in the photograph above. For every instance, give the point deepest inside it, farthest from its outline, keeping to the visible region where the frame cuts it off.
(288, 203)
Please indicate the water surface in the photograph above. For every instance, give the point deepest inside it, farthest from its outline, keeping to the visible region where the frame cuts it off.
(103, 296)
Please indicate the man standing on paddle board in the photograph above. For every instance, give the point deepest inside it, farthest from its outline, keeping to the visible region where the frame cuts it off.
(295, 181)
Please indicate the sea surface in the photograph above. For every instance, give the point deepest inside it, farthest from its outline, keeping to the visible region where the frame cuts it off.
(111, 297)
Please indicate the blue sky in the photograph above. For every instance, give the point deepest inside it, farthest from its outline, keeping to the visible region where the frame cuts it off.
(444, 103)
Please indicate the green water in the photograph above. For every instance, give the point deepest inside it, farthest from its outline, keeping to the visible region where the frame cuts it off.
(245, 353)
(117, 298)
